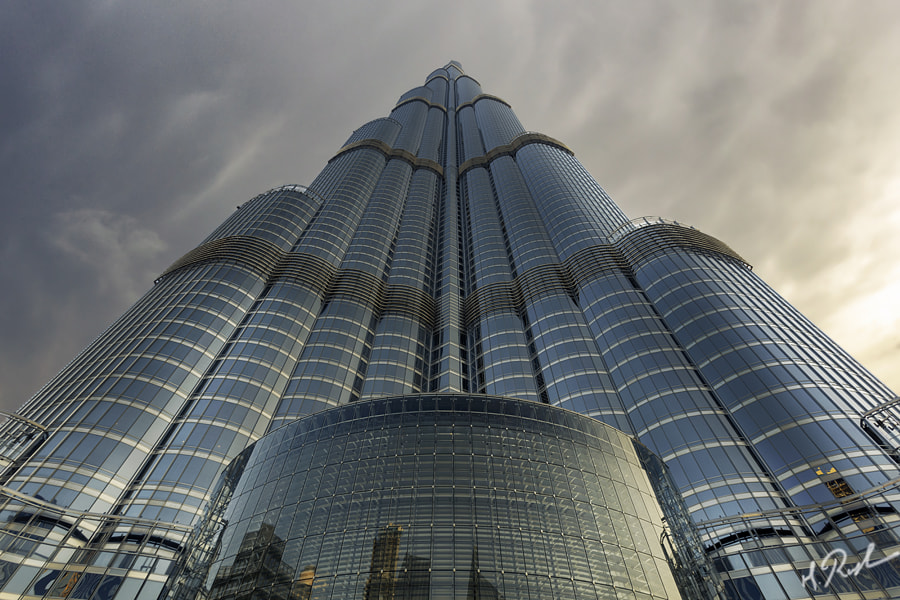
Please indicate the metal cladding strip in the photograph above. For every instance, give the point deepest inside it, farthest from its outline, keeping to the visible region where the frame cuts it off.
(419, 163)
(410, 301)
(317, 274)
(482, 97)
(512, 295)
(285, 207)
(586, 264)
(73, 516)
(18, 438)
(503, 296)
(647, 240)
(428, 102)
(437, 75)
(416, 92)
(511, 149)
(632, 248)
(309, 269)
(544, 279)
(261, 255)
(564, 277)
(251, 251)
(359, 286)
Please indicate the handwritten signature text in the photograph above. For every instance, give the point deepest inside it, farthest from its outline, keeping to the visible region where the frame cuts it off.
(835, 563)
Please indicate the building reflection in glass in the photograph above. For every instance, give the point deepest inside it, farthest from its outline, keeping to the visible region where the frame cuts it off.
(414, 579)
(382, 567)
(303, 585)
(479, 587)
(258, 569)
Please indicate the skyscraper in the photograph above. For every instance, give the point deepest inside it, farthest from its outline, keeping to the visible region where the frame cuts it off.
(340, 361)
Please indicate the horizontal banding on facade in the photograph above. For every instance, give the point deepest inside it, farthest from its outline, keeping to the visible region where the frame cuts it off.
(419, 163)
(421, 99)
(511, 149)
(247, 250)
(318, 275)
(645, 241)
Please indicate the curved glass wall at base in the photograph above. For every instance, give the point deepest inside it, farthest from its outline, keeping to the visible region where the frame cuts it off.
(431, 497)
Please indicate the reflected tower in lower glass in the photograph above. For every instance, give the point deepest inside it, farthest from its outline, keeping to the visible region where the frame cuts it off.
(444, 249)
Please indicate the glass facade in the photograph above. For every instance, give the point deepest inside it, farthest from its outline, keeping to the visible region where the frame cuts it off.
(446, 249)
(431, 497)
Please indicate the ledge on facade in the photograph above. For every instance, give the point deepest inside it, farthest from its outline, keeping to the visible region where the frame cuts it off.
(428, 102)
(645, 236)
(481, 97)
(389, 152)
(510, 149)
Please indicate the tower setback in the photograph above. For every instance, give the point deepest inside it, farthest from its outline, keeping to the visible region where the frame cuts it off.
(452, 367)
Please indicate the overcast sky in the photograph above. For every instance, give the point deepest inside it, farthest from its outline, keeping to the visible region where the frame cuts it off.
(129, 130)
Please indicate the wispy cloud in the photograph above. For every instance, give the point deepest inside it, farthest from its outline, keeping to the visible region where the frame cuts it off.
(115, 248)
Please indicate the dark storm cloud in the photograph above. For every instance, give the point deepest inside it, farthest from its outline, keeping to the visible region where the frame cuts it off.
(128, 131)
(111, 120)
